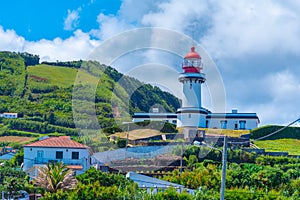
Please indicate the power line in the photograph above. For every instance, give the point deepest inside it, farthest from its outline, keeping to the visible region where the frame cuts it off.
(263, 137)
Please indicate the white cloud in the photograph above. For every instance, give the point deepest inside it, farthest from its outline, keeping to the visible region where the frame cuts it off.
(110, 26)
(289, 87)
(78, 46)
(10, 41)
(176, 14)
(72, 20)
(243, 27)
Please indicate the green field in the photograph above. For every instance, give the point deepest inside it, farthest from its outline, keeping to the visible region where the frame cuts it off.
(288, 145)
(230, 133)
(59, 76)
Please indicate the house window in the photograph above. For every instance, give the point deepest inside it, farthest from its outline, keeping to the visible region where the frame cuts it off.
(75, 155)
(190, 115)
(242, 124)
(174, 121)
(59, 155)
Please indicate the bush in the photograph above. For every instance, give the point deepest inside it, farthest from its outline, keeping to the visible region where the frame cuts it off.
(121, 143)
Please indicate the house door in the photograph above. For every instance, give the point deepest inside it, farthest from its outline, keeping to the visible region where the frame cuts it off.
(40, 156)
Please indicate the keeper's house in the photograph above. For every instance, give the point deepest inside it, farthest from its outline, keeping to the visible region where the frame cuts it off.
(57, 149)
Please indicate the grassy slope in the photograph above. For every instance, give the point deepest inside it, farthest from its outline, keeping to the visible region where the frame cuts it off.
(287, 140)
(230, 133)
(59, 76)
(290, 132)
(288, 145)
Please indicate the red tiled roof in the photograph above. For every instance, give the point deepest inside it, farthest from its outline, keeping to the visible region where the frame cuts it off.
(62, 141)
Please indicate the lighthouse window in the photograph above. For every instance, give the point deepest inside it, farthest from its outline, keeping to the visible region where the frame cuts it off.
(190, 115)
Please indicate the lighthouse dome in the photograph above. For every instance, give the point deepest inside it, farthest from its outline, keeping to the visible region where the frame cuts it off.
(192, 54)
(192, 62)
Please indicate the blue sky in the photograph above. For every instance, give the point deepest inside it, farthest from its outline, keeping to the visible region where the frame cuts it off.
(35, 20)
(254, 44)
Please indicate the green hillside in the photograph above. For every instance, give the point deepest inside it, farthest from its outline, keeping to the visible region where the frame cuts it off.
(289, 132)
(292, 146)
(44, 95)
(46, 74)
(287, 140)
(12, 74)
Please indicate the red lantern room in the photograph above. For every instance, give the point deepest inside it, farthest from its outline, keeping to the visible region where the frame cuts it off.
(192, 62)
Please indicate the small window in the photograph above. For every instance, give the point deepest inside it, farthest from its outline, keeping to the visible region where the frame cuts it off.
(223, 124)
(75, 155)
(190, 115)
(243, 124)
(59, 155)
(235, 126)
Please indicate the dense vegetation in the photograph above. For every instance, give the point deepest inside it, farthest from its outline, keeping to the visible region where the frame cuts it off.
(265, 177)
(61, 97)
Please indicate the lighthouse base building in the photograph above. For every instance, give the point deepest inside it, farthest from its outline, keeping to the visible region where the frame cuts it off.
(192, 114)
(232, 120)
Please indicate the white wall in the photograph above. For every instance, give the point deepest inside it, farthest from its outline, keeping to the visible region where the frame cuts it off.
(9, 115)
(216, 123)
(30, 155)
(170, 120)
(194, 120)
(192, 94)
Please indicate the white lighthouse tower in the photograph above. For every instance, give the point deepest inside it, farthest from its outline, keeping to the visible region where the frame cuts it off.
(191, 114)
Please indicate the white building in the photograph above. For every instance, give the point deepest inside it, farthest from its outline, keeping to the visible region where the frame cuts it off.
(166, 117)
(9, 115)
(154, 185)
(192, 114)
(233, 120)
(57, 149)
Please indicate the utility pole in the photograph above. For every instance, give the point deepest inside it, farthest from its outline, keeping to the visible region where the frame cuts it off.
(224, 160)
(181, 155)
(127, 137)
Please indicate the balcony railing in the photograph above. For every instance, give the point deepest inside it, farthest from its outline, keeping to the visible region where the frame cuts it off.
(82, 161)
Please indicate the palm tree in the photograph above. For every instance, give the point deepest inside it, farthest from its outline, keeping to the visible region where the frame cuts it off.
(55, 176)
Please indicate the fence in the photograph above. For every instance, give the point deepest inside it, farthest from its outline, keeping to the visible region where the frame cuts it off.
(133, 152)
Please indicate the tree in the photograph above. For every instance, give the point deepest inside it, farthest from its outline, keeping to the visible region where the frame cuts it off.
(12, 180)
(18, 158)
(55, 176)
(13, 184)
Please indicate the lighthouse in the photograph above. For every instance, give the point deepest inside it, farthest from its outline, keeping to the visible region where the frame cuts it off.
(191, 114)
